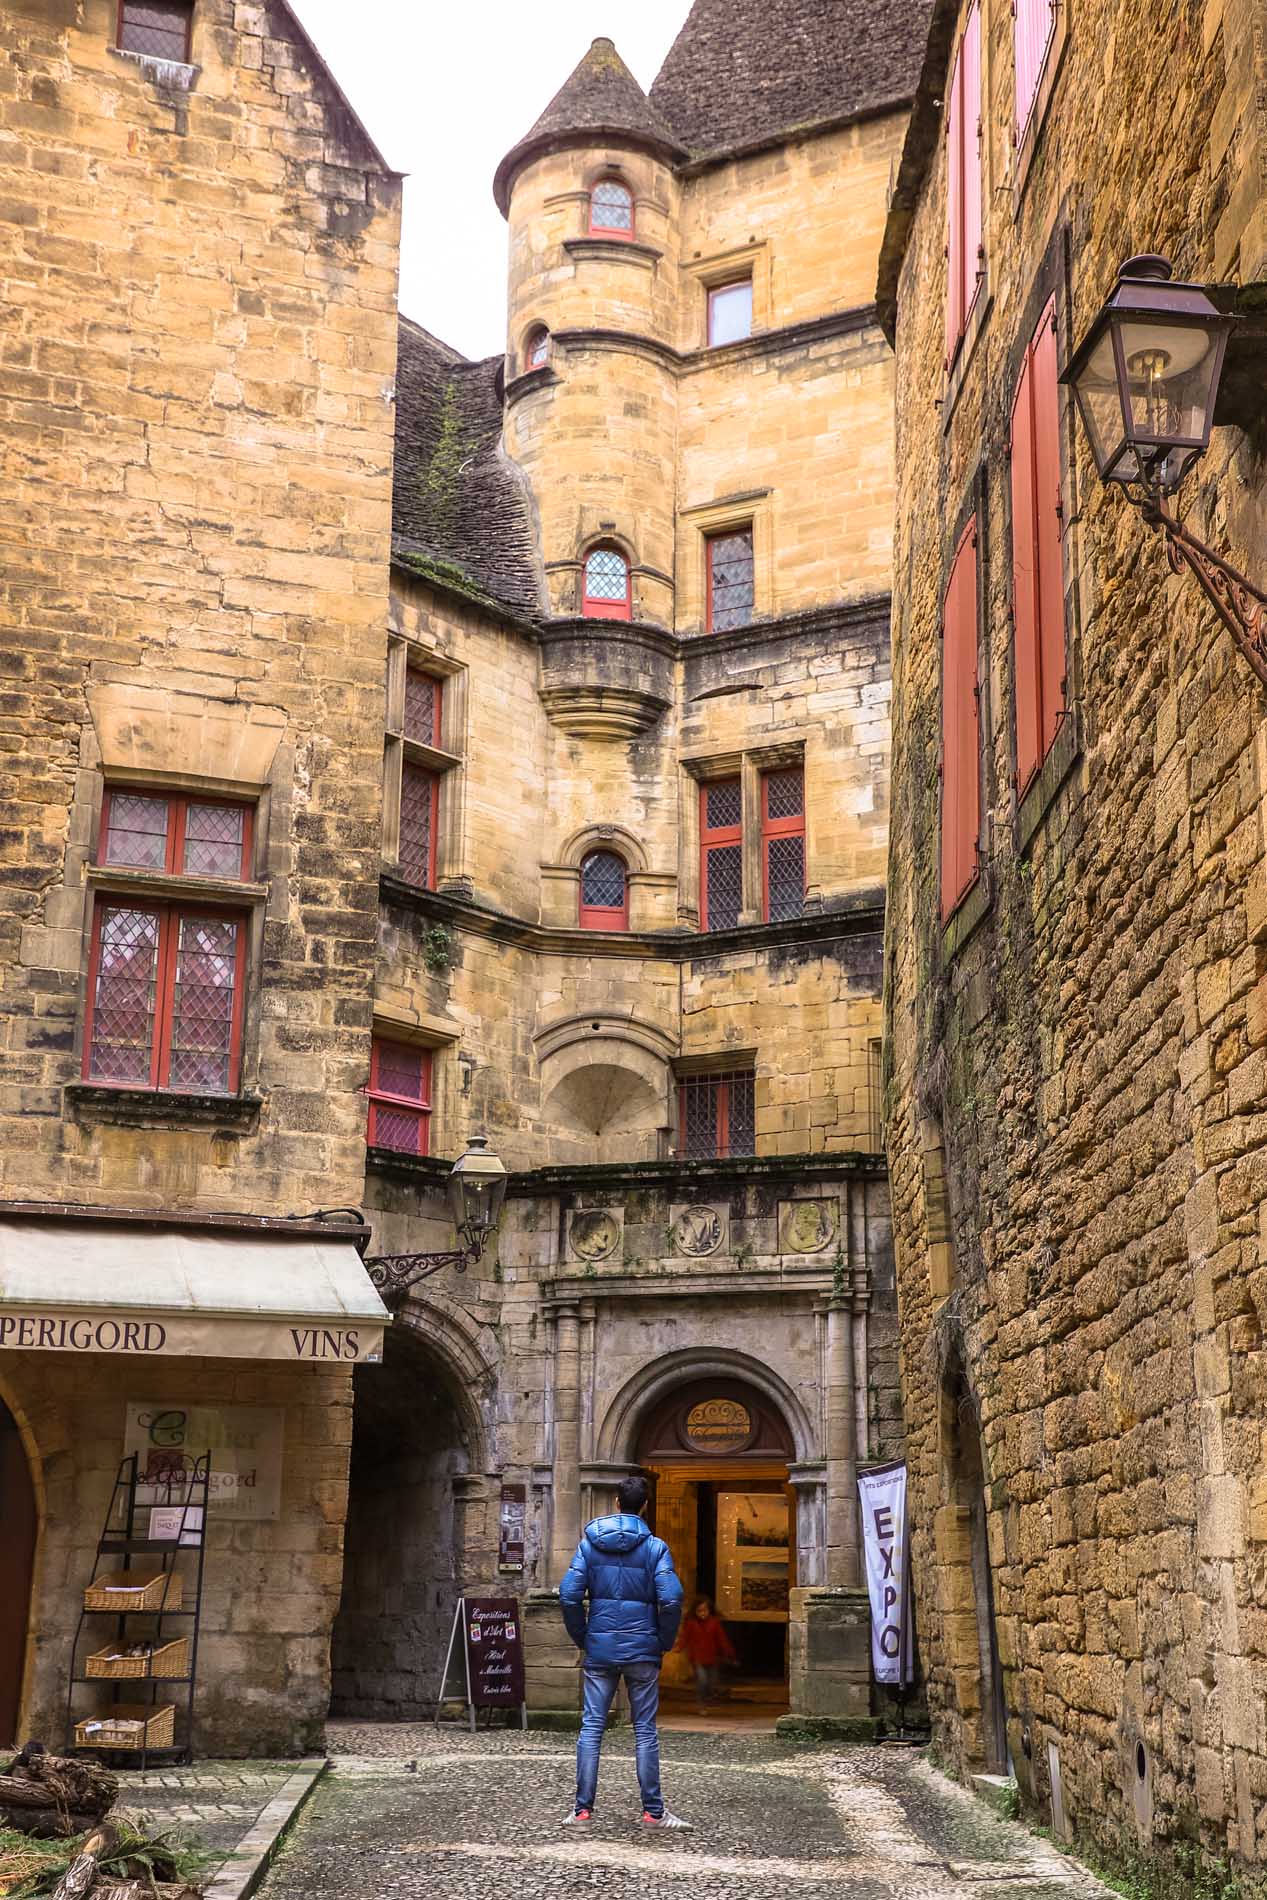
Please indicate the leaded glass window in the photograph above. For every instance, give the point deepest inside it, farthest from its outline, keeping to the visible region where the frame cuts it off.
(730, 580)
(611, 207)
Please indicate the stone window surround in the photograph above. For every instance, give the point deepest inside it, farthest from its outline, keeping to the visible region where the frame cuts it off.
(748, 766)
(441, 1038)
(565, 874)
(700, 523)
(702, 274)
(404, 651)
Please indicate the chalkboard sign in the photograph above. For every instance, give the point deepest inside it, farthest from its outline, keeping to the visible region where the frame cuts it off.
(494, 1651)
(490, 1632)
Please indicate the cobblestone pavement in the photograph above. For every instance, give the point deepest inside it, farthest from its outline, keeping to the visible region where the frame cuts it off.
(219, 1801)
(452, 1817)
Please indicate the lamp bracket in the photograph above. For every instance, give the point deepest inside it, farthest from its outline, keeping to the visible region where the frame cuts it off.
(392, 1274)
(1240, 605)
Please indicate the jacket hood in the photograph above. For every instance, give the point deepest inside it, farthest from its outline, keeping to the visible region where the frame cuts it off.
(621, 1532)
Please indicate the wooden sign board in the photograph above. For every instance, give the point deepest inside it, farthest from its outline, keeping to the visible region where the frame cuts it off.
(490, 1631)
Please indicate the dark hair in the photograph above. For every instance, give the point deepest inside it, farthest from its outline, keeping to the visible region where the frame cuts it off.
(632, 1494)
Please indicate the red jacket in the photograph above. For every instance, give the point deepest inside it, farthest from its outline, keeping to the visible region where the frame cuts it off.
(705, 1640)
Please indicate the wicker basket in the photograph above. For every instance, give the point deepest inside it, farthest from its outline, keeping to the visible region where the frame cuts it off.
(135, 1590)
(128, 1725)
(168, 1659)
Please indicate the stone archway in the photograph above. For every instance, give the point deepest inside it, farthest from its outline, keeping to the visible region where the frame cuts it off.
(415, 1439)
(19, 1527)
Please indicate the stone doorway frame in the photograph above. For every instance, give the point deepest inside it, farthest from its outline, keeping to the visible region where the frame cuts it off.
(21, 1559)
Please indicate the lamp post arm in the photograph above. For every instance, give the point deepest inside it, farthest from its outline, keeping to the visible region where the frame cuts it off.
(392, 1274)
(1240, 605)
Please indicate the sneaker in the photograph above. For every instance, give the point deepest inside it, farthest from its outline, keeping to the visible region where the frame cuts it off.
(667, 1820)
(580, 1814)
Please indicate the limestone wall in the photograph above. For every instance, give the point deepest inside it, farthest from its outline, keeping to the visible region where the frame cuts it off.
(199, 352)
(1075, 1107)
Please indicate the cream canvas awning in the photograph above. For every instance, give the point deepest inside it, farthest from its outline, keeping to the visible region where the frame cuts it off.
(74, 1286)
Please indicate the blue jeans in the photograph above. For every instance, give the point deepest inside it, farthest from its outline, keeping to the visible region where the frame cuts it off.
(643, 1681)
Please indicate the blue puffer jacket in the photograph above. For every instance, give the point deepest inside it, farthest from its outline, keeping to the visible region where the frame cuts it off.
(635, 1597)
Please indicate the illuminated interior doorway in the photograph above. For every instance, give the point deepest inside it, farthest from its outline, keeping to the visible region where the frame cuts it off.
(19, 1520)
(717, 1451)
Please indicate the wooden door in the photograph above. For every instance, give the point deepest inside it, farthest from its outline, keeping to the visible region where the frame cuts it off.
(18, 1521)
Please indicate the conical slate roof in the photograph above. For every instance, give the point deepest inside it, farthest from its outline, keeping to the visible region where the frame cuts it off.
(602, 100)
(743, 72)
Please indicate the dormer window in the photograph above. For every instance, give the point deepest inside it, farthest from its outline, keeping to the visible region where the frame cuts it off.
(608, 595)
(537, 348)
(604, 892)
(611, 209)
(160, 28)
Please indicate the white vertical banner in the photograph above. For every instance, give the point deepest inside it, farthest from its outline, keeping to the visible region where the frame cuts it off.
(882, 1504)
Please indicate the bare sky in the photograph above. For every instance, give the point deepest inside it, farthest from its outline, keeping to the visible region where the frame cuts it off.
(445, 88)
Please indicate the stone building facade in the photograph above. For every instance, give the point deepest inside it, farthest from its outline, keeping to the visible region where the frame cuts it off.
(1074, 955)
(401, 748)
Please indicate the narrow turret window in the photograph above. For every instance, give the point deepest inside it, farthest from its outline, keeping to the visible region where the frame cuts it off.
(611, 208)
(604, 892)
(607, 589)
(537, 348)
(160, 28)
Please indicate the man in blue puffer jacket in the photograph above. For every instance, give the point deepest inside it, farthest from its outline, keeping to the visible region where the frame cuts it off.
(635, 1606)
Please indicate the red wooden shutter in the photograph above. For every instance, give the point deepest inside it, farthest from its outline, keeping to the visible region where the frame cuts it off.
(961, 790)
(1047, 528)
(970, 159)
(1035, 20)
(1029, 750)
(1038, 586)
(954, 214)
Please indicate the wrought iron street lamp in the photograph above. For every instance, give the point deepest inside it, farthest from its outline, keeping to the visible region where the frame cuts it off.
(1146, 379)
(476, 1190)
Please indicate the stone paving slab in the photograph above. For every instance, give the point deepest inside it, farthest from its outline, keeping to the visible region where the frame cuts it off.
(219, 1802)
(407, 1813)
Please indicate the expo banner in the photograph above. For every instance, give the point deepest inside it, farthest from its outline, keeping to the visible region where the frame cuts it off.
(882, 1501)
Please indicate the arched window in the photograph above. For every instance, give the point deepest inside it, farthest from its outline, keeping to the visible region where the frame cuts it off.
(607, 590)
(611, 208)
(604, 892)
(537, 348)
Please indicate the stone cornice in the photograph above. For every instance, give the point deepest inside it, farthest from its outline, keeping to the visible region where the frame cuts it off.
(692, 1180)
(791, 336)
(859, 916)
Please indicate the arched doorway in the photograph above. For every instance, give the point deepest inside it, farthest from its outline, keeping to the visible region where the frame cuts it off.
(402, 1565)
(19, 1523)
(718, 1451)
(963, 1546)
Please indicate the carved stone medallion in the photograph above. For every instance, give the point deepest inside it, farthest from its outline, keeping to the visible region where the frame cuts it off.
(698, 1229)
(808, 1226)
(593, 1233)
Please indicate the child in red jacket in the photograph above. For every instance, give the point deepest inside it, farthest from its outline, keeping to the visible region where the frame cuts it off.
(705, 1641)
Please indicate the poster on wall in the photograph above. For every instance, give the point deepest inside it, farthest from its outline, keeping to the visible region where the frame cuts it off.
(511, 1528)
(245, 1442)
(882, 1502)
(753, 1557)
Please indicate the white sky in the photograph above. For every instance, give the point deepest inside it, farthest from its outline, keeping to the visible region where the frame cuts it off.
(445, 88)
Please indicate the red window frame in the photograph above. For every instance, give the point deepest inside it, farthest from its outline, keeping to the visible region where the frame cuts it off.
(604, 916)
(409, 769)
(612, 230)
(792, 826)
(592, 606)
(178, 807)
(170, 915)
(711, 544)
(965, 258)
(1038, 580)
(537, 339)
(185, 7)
(437, 702)
(719, 1087)
(960, 728)
(715, 838)
(420, 1105)
(719, 290)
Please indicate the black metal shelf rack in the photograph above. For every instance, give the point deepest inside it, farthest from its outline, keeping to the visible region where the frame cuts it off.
(185, 1490)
